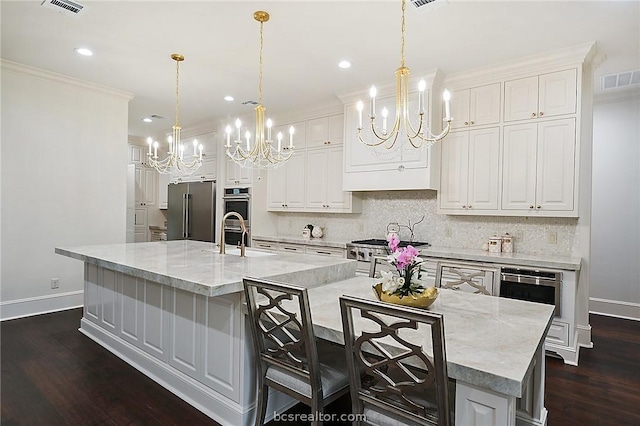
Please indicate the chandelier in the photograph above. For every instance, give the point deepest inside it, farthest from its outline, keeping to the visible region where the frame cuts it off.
(387, 137)
(174, 161)
(262, 153)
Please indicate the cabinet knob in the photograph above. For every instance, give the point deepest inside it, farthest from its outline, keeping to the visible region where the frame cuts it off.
(541, 114)
(533, 114)
(469, 206)
(464, 207)
(538, 207)
(530, 207)
(328, 142)
(466, 123)
(472, 122)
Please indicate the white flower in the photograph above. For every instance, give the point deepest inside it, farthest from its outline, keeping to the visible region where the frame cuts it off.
(388, 284)
(400, 281)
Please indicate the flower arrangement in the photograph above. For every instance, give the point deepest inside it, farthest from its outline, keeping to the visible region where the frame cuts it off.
(408, 280)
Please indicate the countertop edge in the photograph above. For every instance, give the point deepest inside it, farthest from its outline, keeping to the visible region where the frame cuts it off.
(310, 242)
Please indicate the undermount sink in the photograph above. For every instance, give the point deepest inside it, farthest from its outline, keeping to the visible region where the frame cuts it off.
(235, 251)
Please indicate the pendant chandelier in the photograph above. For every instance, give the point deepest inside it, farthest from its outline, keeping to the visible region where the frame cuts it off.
(417, 136)
(174, 162)
(261, 153)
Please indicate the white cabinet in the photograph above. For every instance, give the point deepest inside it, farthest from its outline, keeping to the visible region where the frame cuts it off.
(475, 107)
(164, 181)
(137, 154)
(470, 172)
(546, 95)
(286, 185)
(140, 225)
(539, 168)
(468, 277)
(325, 131)
(324, 181)
(237, 175)
(146, 186)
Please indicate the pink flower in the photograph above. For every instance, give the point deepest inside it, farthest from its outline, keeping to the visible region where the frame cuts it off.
(393, 242)
(406, 256)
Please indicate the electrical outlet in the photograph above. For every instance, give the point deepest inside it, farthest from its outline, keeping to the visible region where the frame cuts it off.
(552, 237)
(55, 283)
(447, 232)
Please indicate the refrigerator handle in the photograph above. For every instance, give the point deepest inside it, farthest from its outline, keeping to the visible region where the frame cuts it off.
(185, 215)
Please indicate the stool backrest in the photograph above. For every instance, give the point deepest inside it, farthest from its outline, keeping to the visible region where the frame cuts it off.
(280, 322)
(399, 377)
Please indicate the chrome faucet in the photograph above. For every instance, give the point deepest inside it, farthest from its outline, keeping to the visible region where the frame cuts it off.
(242, 226)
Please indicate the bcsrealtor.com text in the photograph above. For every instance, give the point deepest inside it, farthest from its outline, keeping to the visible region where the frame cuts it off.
(317, 417)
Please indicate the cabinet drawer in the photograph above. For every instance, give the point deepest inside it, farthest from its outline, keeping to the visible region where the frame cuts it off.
(291, 248)
(558, 333)
(265, 245)
(326, 251)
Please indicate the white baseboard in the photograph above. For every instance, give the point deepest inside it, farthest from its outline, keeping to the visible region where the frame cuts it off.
(41, 305)
(614, 308)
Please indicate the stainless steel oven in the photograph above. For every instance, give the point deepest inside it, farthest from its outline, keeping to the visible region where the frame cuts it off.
(237, 200)
(532, 285)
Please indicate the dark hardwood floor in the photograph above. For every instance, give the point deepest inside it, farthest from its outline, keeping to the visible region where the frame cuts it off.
(54, 375)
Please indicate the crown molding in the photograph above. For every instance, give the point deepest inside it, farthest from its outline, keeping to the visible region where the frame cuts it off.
(21, 69)
(617, 95)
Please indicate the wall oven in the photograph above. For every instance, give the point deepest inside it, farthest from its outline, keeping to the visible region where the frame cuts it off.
(532, 285)
(237, 200)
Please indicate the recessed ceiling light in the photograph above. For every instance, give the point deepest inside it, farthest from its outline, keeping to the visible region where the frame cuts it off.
(147, 120)
(83, 51)
(344, 64)
(228, 98)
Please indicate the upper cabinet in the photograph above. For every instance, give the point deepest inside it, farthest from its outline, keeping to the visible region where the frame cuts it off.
(311, 180)
(236, 175)
(477, 106)
(545, 95)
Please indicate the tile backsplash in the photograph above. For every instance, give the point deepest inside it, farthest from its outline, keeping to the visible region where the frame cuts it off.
(532, 235)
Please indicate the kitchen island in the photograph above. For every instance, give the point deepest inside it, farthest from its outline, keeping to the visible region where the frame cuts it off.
(174, 310)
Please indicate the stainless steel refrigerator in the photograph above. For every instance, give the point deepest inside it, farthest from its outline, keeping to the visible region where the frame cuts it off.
(191, 213)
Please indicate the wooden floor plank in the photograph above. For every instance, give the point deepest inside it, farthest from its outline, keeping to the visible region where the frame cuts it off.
(54, 375)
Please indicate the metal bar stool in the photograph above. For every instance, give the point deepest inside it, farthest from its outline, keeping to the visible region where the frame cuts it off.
(288, 358)
(401, 384)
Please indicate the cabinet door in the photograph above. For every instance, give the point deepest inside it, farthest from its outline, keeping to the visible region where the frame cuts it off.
(454, 177)
(336, 129)
(519, 167)
(484, 105)
(237, 175)
(207, 170)
(317, 179)
(484, 165)
(556, 165)
(295, 184)
(557, 93)
(521, 99)
(137, 154)
(337, 199)
(459, 109)
(299, 136)
(139, 185)
(150, 192)
(317, 132)
(276, 188)
(163, 191)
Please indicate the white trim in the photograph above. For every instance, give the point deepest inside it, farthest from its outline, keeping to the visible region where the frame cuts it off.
(17, 68)
(614, 308)
(40, 305)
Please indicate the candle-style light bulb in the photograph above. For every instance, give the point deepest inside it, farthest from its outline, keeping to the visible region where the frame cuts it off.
(150, 142)
(195, 147)
(155, 149)
(200, 148)
(447, 105)
(269, 125)
(385, 114)
(228, 131)
(360, 107)
(238, 125)
(247, 135)
(421, 86)
(372, 93)
(279, 141)
(291, 132)
(170, 141)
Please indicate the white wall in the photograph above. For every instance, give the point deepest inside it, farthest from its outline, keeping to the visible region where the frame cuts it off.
(63, 176)
(615, 226)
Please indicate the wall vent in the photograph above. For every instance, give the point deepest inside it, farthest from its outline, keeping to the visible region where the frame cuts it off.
(157, 117)
(421, 4)
(622, 79)
(66, 7)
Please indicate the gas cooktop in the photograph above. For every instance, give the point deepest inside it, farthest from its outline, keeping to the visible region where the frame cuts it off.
(383, 243)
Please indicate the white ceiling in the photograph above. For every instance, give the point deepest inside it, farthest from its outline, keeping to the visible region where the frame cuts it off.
(303, 43)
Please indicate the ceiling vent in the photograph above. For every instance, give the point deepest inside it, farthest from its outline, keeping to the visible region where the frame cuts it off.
(157, 117)
(428, 4)
(66, 7)
(250, 103)
(620, 80)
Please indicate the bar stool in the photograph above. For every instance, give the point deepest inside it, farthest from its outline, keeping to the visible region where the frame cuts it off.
(288, 358)
(468, 277)
(401, 384)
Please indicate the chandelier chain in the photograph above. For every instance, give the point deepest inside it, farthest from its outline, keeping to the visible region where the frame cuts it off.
(260, 75)
(404, 6)
(177, 90)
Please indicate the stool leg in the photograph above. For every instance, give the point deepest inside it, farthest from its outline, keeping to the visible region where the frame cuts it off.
(261, 408)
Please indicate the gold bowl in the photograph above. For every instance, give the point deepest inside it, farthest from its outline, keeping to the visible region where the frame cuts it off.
(423, 300)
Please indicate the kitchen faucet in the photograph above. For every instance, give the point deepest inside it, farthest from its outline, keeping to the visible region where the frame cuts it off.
(244, 232)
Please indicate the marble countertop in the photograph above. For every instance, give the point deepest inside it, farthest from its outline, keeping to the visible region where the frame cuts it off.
(198, 267)
(320, 242)
(520, 259)
(490, 341)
